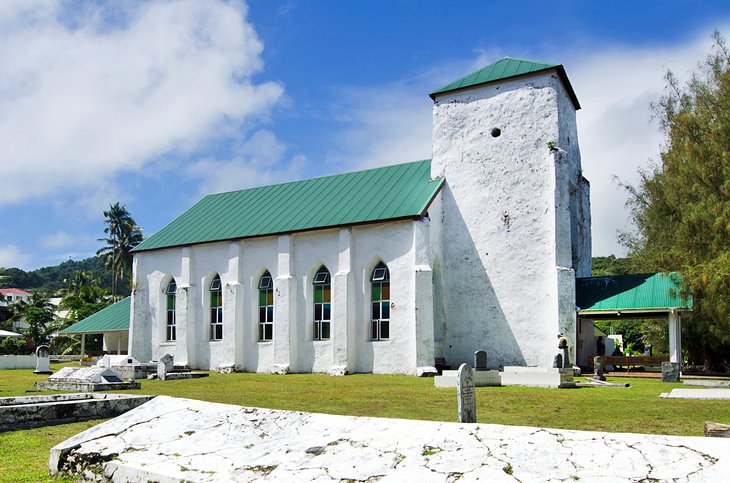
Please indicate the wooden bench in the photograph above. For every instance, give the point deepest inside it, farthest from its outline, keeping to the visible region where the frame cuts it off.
(631, 361)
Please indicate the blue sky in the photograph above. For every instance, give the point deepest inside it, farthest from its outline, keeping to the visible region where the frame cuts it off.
(155, 104)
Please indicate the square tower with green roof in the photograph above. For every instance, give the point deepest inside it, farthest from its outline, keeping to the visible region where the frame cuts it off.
(511, 226)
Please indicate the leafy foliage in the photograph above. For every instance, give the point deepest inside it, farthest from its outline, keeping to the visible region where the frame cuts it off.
(610, 265)
(83, 297)
(681, 207)
(14, 346)
(37, 313)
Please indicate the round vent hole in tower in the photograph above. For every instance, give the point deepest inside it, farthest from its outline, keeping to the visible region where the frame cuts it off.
(496, 132)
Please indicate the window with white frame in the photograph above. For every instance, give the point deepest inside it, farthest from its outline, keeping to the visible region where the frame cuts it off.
(322, 304)
(266, 308)
(216, 309)
(380, 302)
(170, 333)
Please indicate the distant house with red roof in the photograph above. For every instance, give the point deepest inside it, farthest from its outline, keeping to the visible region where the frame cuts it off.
(12, 295)
(9, 297)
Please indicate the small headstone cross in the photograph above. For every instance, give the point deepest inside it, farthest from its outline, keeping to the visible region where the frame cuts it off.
(465, 394)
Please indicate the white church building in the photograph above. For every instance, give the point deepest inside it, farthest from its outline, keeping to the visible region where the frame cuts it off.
(392, 269)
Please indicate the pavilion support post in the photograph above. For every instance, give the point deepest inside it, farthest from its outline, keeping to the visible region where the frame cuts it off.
(83, 346)
(119, 343)
(675, 337)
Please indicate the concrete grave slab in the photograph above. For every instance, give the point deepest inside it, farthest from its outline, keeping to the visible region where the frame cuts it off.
(449, 378)
(85, 379)
(706, 383)
(170, 439)
(708, 394)
(537, 376)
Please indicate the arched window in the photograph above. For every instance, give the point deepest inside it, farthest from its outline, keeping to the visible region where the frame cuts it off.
(380, 302)
(171, 334)
(266, 307)
(322, 304)
(216, 309)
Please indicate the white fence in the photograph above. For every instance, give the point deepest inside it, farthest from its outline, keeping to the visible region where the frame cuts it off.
(17, 362)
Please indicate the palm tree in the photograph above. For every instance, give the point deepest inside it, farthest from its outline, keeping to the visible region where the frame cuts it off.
(84, 297)
(123, 235)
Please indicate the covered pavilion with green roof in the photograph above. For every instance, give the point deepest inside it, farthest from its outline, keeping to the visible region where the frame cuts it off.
(635, 296)
(112, 322)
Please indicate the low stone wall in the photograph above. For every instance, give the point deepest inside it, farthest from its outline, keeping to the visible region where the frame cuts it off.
(35, 411)
(17, 362)
(537, 376)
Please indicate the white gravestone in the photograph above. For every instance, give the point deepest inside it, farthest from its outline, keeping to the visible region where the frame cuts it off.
(466, 395)
(43, 360)
(164, 366)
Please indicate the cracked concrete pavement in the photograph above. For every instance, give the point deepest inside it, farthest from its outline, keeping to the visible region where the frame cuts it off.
(173, 439)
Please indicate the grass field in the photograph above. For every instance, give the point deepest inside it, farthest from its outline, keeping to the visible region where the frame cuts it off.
(24, 454)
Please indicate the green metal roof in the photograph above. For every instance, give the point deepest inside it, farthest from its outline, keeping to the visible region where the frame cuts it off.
(110, 319)
(504, 69)
(393, 192)
(642, 292)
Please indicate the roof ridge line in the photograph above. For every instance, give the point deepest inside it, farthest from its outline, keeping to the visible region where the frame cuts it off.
(318, 177)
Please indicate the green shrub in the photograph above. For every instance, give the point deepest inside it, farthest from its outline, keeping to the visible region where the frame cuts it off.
(14, 346)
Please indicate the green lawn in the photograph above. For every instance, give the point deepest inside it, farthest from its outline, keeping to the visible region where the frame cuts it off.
(23, 454)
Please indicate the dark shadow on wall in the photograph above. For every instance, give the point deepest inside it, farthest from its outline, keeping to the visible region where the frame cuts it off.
(474, 318)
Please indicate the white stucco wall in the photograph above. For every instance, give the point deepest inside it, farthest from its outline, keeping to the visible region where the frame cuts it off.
(350, 254)
(503, 239)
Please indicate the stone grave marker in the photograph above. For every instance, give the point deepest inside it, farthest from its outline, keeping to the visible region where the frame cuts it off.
(164, 366)
(480, 361)
(670, 372)
(599, 368)
(104, 361)
(466, 395)
(43, 360)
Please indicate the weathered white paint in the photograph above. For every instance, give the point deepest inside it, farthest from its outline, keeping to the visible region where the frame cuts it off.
(508, 214)
(491, 267)
(349, 254)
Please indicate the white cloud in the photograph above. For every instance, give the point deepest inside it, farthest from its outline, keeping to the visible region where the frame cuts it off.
(382, 125)
(11, 256)
(60, 239)
(83, 97)
(258, 160)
